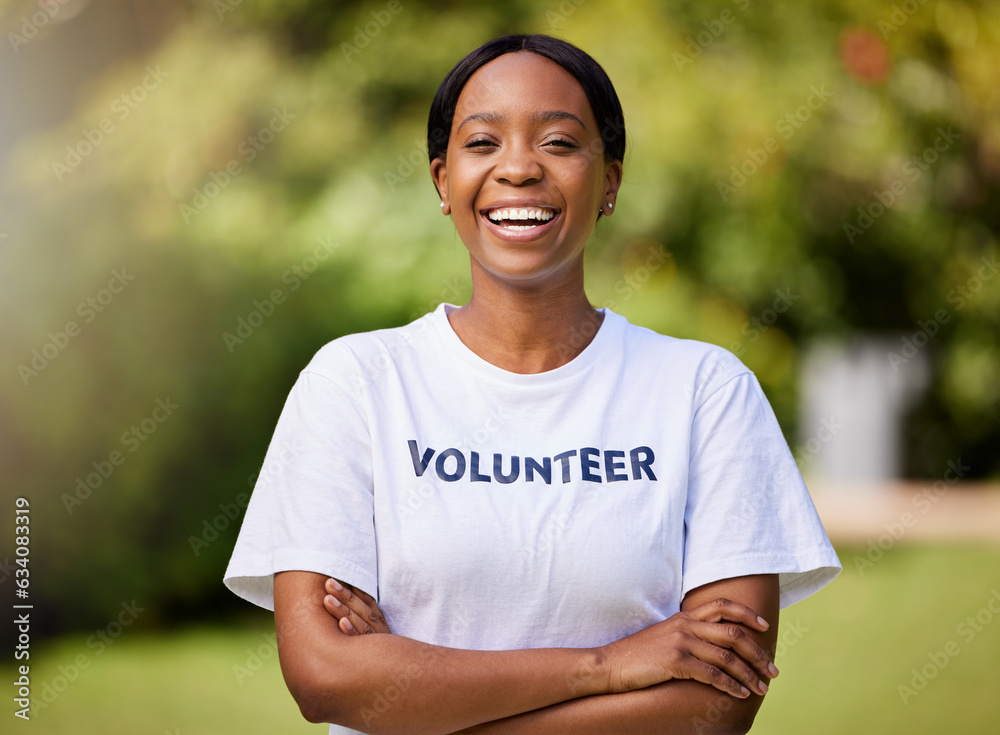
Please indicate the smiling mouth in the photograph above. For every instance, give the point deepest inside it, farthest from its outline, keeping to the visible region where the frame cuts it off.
(520, 219)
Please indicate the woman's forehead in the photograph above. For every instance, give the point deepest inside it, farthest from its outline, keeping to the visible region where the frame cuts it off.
(523, 82)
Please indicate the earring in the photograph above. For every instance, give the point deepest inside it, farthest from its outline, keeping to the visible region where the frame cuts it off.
(611, 205)
(442, 205)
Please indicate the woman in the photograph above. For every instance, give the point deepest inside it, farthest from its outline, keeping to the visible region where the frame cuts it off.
(568, 523)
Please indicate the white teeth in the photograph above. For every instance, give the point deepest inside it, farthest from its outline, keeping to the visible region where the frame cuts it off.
(541, 215)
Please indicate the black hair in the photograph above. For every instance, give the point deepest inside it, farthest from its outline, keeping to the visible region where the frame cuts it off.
(595, 82)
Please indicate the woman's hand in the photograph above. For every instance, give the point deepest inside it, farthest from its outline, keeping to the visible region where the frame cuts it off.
(708, 643)
(355, 610)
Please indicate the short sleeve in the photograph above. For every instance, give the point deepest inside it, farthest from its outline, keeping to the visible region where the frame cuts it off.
(312, 506)
(748, 510)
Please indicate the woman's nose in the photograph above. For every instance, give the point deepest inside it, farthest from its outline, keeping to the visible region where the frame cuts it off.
(518, 165)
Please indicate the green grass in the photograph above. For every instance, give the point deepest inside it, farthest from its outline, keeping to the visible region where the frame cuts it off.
(846, 651)
(867, 631)
(183, 683)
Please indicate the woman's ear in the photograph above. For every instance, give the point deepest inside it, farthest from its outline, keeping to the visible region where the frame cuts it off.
(439, 172)
(612, 182)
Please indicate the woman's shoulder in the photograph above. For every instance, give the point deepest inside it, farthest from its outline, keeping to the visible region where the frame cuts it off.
(358, 353)
(703, 362)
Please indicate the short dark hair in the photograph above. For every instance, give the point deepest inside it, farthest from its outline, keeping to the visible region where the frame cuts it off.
(595, 82)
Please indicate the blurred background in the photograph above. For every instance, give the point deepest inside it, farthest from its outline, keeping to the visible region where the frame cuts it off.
(195, 196)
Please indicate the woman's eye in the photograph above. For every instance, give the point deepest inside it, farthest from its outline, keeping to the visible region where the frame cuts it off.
(479, 143)
(561, 143)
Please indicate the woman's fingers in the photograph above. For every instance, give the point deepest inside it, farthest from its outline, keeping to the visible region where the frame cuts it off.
(348, 608)
(714, 643)
(722, 609)
(724, 619)
(355, 610)
(341, 613)
(726, 669)
(732, 639)
(698, 669)
(371, 611)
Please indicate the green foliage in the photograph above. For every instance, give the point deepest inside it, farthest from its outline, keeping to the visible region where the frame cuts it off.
(299, 125)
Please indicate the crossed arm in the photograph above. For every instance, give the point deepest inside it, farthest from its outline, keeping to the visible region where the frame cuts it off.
(702, 670)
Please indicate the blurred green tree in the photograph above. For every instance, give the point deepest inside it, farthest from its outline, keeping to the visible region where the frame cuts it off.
(261, 180)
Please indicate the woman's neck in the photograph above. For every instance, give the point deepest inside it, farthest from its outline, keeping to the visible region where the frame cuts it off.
(526, 329)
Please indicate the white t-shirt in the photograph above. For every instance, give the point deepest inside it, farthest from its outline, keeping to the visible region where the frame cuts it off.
(486, 509)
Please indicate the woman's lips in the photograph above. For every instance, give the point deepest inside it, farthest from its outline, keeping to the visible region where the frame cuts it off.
(520, 229)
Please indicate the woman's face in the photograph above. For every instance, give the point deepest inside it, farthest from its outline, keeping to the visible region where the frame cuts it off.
(525, 173)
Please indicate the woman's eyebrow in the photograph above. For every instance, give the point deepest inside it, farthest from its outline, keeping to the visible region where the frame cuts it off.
(543, 117)
(486, 117)
(554, 115)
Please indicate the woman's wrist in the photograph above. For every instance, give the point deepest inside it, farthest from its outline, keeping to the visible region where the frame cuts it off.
(591, 676)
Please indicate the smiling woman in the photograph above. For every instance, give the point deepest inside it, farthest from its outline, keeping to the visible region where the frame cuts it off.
(437, 560)
(526, 141)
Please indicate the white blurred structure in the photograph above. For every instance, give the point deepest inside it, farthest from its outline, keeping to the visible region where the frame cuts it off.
(854, 398)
